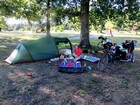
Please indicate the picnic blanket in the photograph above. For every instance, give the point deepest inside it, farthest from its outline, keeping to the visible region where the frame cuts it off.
(91, 58)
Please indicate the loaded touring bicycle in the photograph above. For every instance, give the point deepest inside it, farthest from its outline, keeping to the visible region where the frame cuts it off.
(114, 53)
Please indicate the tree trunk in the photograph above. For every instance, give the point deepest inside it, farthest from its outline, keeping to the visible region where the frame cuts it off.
(84, 37)
(30, 24)
(48, 18)
(28, 19)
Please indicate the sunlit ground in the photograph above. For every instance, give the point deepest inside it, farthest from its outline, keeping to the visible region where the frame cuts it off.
(17, 36)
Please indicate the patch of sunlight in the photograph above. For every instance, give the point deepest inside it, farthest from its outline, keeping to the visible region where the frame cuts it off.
(96, 75)
(105, 77)
(15, 76)
(2, 46)
(138, 49)
(47, 91)
(27, 38)
(12, 76)
(80, 99)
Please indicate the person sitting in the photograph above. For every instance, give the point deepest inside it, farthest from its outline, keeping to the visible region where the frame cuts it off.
(79, 53)
(77, 50)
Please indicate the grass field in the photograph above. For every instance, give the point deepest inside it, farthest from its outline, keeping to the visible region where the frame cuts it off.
(117, 85)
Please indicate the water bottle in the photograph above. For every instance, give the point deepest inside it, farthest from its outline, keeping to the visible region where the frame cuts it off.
(89, 68)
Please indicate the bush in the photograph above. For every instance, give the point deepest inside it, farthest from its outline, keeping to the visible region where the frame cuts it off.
(61, 28)
(109, 25)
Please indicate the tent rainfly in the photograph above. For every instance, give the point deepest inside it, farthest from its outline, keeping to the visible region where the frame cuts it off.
(35, 50)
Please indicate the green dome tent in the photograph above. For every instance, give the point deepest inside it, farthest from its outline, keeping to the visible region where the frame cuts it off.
(34, 50)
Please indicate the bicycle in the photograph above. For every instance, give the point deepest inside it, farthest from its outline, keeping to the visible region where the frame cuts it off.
(111, 57)
(103, 44)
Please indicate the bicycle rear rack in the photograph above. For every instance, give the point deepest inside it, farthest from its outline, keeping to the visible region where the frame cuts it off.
(128, 60)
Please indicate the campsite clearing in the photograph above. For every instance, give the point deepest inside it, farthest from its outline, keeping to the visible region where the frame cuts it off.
(118, 85)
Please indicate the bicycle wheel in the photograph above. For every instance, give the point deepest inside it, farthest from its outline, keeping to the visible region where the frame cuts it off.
(99, 46)
(133, 57)
(103, 62)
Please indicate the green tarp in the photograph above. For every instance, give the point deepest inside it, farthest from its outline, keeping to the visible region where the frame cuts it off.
(34, 50)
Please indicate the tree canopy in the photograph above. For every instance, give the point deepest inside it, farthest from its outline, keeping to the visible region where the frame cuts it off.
(84, 15)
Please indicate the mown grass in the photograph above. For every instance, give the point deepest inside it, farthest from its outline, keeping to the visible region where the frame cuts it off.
(21, 36)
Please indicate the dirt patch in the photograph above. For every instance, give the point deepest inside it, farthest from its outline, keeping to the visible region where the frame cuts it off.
(117, 85)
